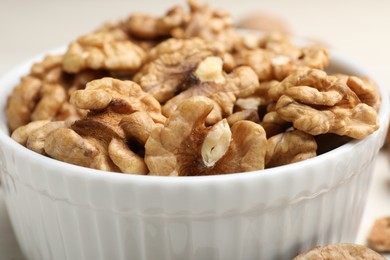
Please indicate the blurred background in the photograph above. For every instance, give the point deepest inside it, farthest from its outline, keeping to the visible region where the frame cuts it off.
(356, 28)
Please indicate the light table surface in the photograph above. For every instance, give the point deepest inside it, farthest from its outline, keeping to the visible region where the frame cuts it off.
(358, 29)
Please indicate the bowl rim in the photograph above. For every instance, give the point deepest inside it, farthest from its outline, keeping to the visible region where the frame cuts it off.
(336, 60)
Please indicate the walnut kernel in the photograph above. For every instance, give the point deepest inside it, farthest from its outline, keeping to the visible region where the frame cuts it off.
(191, 152)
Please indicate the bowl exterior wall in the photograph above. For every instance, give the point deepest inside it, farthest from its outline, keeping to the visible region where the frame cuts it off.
(75, 217)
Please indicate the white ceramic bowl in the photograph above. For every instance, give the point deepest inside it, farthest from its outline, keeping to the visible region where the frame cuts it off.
(61, 211)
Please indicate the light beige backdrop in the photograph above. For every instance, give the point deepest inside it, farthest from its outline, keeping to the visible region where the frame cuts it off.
(357, 28)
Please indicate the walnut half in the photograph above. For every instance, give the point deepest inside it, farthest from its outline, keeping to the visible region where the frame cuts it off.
(289, 147)
(110, 50)
(317, 104)
(186, 147)
(340, 251)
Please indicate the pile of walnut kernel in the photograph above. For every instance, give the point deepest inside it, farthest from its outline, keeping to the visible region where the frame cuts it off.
(186, 94)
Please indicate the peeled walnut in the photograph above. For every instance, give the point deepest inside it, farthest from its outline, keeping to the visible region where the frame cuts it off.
(111, 50)
(316, 104)
(272, 42)
(22, 102)
(39, 95)
(357, 122)
(379, 236)
(122, 27)
(52, 98)
(171, 70)
(369, 94)
(289, 147)
(33, 100)
(126, 159)
(147, 27)
(69, 112)
(273, 124)
(208, 24)
(208, 79)
(49, 69)
(247, 41)
(313, 57)
(269, 56)
(366, 89)
(137, 126)
(248, 114)
(249, 103)
(122, 97)
(280, 44)
(278, 61)
(340, 251)
(189, 47)
(44, 93)
(22, 133)
(66, 145)
(200, 21)
(34, 134)
(120, 113)
(259, 100)
(186, 147)
(259, 60)
(316, 87)
(184, 47)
